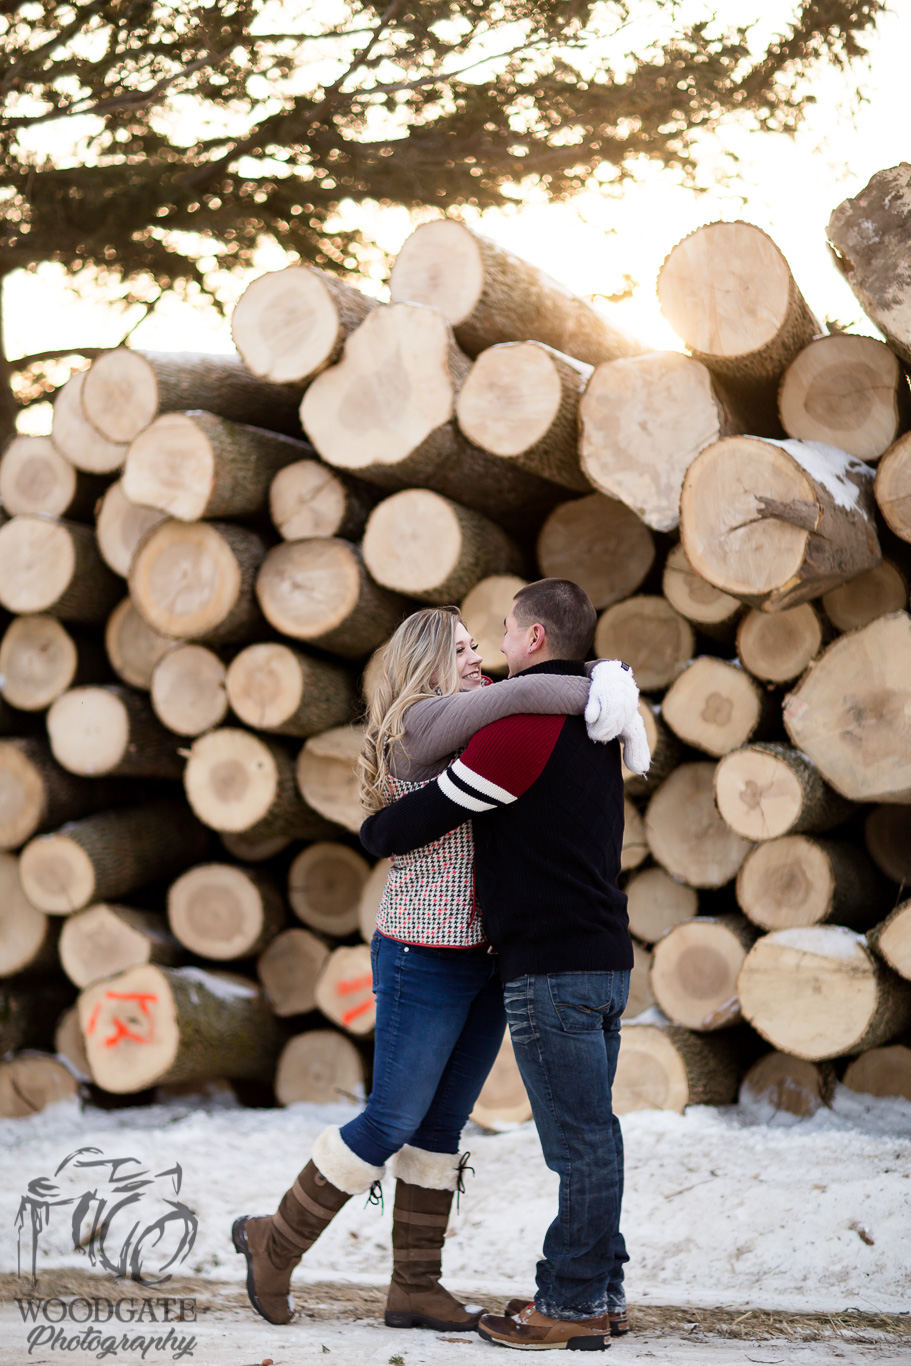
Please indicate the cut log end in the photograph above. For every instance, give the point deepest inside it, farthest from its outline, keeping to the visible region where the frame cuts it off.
(325, 883)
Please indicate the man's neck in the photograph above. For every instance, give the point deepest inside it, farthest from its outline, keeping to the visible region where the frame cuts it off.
(553, 664)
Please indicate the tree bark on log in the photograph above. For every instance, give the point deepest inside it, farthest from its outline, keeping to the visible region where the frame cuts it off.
(788, 1085)
(666, 1067)
(99, 731)
(253, 848)
(106, 939)
(320, 1067)
(640, 459)
(75, 437)
(778, 646)
(290, 324)
(325, 883)
(238, 782)
(845, 391)
(37, 794)
(69, 1045)
(849, 713)
(656, 902)
(189, 690)
(776, 523)
(646, 633)
(868, 235)
(31, 1082)
(819, 992)
(503, 1098)
(49, 565)
(695, 967)
(133, 647)
(35, 477)
(892, 487)
(327, 775)
(151, 1025)
(27, 1013)
(887, 833)
(432, 549)
(288, 968)
(716, 706)
(713, 613)
(320, 592)
(881, 1072)
(195, 465)
(273, 688)
(491, 296)
(767, 790)
(307, 498)
(598, 543)
(104, 856)
(871, 595)
(28, 939)
(40, 659)
(195, 580)
(220, 911)
(793, 881)
(119, 527)
(892, 939)
(685, 833)
(385, 412)
(126, 390)
(520, 402)
(344, 990)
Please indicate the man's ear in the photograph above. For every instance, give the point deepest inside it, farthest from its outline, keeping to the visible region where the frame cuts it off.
(537, 638)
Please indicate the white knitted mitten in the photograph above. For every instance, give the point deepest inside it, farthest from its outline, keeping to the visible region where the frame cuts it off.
(636, 754)
(613, 700)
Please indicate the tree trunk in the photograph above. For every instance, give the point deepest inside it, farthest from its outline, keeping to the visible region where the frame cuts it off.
(685, 832)
(386, 413)
(327, 775)
(75, 437)
(646, 633)
(717, 707)
(664, 748)
(133, 647)
(54, 566)
(28, 1012)
(40, 659)
(871, 595)
(491, 296)
(193, 465)
(288, 968)
(107, 939)
(119, 527)
(37, 794)
(432, 549)
(371, 896)
(289, 324)
(320, 1067)
(695, 967)
(849, 713)
(867, 235)
(484, 610)
(892, 939)
(634, 849)
(892, 487)
(666, 1067)
(600, 545)
(767, 790)
(713, 613)
(818, 992)
(150, 1025)
(126, 390)
(102, 857)
(253, 848)
(195, 581)
(97, 731)
(236, 782)
(325, 883)
(644, 421)
(320, 592)
(220, 911)
(786, 1085)
(307, 498)
(887, 832)
(845, 391)
(344, 990)
(503, 1098)
(28, 939)
(520, 402)
(641, 997)
(881, 1072)
(274, 688)
(36, 478)
(188, 690)
(656, 902)
(33, 1081)
(777, 522)
(793, 881)
(778, 646)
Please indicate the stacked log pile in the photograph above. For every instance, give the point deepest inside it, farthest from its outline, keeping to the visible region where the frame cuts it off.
(200, 564)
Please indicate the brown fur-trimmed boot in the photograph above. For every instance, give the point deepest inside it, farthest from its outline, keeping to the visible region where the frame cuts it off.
(425, 1184)
(274, 1244)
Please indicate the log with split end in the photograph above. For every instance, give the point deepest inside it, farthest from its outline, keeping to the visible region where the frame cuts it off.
(685, 833)
(288, 970)
(223, 912)
(327, 775)
(111, 730)
(106, 939)
(868, 237)
(767, 790)
(664, 1066)
(845, 391)
(599, 544)
(795, 880)
(716, 706)
(325, 884)
(321, 1067)
(275, 688)
(239, 782)
(695, 967)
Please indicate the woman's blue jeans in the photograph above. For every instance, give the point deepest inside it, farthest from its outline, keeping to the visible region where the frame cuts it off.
(439, 1025)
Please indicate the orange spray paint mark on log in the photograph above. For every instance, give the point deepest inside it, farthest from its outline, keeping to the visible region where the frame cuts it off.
(354, 984)
(122, 1028)
(355, 1011)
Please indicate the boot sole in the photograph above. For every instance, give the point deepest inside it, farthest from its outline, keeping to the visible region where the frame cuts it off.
(402, 1319)
(595, 1343)
(239, 1239)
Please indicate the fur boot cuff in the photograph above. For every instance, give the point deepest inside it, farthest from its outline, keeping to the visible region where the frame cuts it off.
(433, 1171)
(346, 1171)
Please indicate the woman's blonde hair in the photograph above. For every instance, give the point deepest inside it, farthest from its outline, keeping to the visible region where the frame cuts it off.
(419, 661)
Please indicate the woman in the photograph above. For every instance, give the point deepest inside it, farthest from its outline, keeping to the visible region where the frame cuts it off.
(440, 1017)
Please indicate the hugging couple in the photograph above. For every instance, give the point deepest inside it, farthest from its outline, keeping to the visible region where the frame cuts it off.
(501, 904)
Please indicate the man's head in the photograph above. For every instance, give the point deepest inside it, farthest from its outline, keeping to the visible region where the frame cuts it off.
(550, 619)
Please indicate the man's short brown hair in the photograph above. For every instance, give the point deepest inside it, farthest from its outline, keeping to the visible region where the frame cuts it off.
(564, 610)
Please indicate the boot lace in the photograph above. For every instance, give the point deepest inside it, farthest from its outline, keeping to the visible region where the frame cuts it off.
(375, 1195)
(461, 1168)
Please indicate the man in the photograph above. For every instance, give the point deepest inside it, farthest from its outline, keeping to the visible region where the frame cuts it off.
(547, 810)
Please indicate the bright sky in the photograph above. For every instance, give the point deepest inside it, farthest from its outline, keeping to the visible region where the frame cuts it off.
(787, 186)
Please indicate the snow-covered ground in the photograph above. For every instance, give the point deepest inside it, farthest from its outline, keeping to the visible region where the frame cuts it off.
(723, 1208)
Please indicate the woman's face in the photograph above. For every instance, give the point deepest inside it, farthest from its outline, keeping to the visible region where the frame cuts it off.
(468, 661)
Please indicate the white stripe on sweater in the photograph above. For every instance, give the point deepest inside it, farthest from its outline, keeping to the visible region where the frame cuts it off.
(483, 785)
(455, 794)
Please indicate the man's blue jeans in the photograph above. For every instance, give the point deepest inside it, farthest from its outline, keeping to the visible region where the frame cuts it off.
(565, 1029)
(439, 1026)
